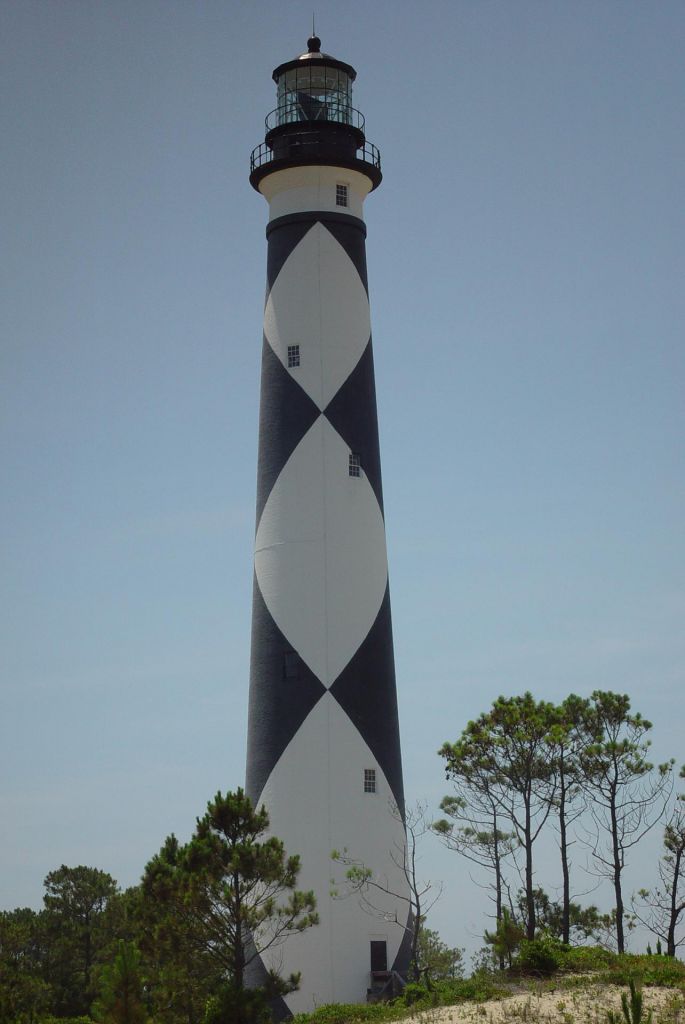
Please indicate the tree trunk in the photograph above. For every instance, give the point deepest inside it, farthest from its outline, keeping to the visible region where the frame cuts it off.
(239, 950)
(498, 879)
(415, 938)
(675, 909)
(670, 938)
(530, 898)
(88, 956)
(563, 845)
(620, 940)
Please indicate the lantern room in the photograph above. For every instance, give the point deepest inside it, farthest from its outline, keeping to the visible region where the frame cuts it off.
(314, 121)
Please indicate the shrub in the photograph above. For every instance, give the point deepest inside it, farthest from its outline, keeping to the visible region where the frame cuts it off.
(444, 993)
(542, 956)
(476, 989)
(632, 1008)
(583, 959)
(49, 1019)
(348, 1013)
(414, 994)
(230, 1004)
(650, 970)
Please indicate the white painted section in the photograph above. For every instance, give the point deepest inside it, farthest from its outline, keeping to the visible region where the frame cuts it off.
(320, 555)
(316, 804)
(319, 303)
(301, 189)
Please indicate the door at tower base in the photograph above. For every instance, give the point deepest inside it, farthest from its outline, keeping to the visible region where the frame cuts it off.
(334, 957)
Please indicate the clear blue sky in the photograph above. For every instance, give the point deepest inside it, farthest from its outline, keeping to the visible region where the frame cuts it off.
(526, 270)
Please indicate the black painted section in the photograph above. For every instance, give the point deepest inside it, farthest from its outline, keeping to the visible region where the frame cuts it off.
(286, 412)
(281, 244)
(303, 142)
(278, 706)
(284, 233)
(352, 242)
(352, 411)
(401, 961)
(366, 692)
(312, 216)
(322, 60)
(316, 155)
(257, 976)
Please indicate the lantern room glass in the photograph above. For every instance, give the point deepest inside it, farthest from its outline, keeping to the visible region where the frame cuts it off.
(317, 93)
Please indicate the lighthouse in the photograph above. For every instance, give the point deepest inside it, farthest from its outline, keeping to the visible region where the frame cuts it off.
(323, 737)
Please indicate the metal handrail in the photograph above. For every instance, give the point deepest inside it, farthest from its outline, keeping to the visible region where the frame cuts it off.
(263, 153)
(295, 112)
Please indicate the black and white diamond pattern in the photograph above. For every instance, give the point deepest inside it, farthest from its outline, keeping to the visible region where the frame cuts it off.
(321, 588)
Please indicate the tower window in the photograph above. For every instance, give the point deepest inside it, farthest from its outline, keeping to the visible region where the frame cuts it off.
(369, 780)
(355, 464)
(341, 195)
(291, 665)
(293, 356)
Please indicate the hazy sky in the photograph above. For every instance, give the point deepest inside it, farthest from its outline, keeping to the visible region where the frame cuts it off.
(526, 273)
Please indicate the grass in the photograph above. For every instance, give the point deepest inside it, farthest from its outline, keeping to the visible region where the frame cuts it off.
(578, 974)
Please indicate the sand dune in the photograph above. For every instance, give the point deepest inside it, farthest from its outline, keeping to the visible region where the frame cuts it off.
(573, 1005)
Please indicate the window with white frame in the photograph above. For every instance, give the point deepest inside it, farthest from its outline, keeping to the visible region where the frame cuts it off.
(341, 194)
(293, 356)
(369, 780)
(355, 464)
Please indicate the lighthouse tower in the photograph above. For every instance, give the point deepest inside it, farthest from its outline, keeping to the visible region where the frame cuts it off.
(323, 738)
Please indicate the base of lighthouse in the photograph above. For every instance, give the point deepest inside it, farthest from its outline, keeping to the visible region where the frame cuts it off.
(315, 812)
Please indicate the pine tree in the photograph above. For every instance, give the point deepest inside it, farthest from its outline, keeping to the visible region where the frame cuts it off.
(228, 896)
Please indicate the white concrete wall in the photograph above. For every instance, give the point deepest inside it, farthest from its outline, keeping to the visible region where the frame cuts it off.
(299, 189)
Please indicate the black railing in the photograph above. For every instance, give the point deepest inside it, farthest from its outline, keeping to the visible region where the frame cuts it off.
(310, 149)
(307, 108)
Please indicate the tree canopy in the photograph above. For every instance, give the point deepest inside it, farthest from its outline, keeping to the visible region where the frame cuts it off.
(230, 893)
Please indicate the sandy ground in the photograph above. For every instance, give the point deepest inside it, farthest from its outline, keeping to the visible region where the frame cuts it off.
(586, 1005)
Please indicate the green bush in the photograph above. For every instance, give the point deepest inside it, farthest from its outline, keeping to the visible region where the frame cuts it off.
(415, 994)
(444, 993)
(49, 1019)
(546, 955)
(583, 959)
(348, 1013)
(542, 956)
(649, 970)
(230, 1004)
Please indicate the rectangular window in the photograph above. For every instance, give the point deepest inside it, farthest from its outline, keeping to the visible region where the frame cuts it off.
(341, 195)
(293, 356)
(355, 464)
(369, 780)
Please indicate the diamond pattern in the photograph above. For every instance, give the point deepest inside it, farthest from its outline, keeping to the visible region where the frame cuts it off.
(322, 694)
(320, 556)
(328, 736)
(366, 691)
(352, 411)
(318, 302)
(285, 416)
(278, 704)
